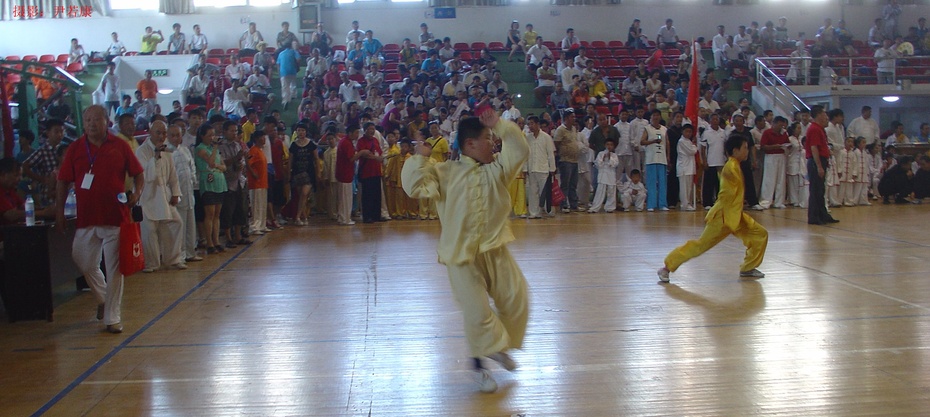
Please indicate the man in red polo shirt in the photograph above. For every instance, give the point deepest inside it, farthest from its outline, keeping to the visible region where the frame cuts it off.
(818, 156)
(345, 173)
(773, 142)
(369, 174)
(97, 163)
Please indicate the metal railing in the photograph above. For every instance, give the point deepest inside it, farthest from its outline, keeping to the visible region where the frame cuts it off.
(770, 84)
(832, 71)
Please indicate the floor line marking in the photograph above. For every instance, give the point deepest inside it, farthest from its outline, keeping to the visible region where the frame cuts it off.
(106, 358)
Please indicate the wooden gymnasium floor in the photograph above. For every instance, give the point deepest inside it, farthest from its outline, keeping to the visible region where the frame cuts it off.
(359, 321)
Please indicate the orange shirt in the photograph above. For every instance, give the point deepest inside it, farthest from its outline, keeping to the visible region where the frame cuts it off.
(44, 89)
(259, 164)
(149, 88)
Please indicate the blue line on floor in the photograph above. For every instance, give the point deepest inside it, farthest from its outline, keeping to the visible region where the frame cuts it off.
(106, 358)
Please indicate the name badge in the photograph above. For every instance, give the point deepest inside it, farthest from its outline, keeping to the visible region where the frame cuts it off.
(88, 180)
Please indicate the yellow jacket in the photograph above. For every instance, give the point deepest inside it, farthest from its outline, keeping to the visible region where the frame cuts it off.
(472, 199)
(729, 203)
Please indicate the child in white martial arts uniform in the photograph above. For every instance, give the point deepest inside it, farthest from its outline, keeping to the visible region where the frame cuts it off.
(473, 203)
(607, 162)
(865, 177)
(795, 161)
(633, 192)
(686, 167)
(851, 173)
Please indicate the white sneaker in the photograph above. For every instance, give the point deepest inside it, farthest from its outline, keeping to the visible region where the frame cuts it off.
(651, 210)
(663, 209)
(755, 273)
(663, 274)
(486, 382)
(779, 206)
(689, 208)
(504, 360)
(757, 207)
(706, 207)
(566, 210)
(180, 265)
(148, 270)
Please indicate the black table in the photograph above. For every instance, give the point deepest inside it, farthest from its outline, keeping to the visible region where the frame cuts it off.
(37, 269)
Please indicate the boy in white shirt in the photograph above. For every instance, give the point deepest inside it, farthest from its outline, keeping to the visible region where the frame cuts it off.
(607, 162)
(633, 192)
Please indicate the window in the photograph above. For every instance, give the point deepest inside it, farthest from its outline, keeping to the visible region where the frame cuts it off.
(230, 3)
(133, 4)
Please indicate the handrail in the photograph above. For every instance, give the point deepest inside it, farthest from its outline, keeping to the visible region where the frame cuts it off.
(772, 84)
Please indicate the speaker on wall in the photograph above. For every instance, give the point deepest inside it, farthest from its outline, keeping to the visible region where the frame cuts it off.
(309, 14)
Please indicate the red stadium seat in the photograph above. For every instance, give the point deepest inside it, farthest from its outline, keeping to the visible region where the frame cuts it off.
(216, 53)
(598, 45)
(628, 63)
(391, 78)
(391, 47)
(232, 51)
(466, 56)
(620, 53)
(477, 46)
(460, 46)
(616, 73)
(75, 67)
(610, 63)
(62, 58)
(214, 61)
(497, 47)
(32, 58)
(616, 44)
(249, 59)
(549, 44)
(12, 58)
(48, 59)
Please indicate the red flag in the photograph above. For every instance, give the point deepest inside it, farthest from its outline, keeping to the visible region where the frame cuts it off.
(694, 84)
(691, 105)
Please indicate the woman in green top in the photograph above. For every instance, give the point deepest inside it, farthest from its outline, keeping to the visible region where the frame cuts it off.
(210, 170)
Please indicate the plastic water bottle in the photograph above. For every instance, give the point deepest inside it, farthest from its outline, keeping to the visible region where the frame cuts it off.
(30, 211)
(71, 204)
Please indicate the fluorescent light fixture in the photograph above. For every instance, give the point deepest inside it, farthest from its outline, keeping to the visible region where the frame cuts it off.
(891, 99)
(166, 91)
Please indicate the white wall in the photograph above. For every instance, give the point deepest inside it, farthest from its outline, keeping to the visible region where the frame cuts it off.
(392, 22)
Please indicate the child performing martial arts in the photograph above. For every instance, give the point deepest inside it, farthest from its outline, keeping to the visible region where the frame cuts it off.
(726, 217)
(473, 203)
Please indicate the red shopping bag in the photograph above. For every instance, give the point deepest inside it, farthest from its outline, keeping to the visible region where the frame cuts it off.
(131, 258)
(557, 196)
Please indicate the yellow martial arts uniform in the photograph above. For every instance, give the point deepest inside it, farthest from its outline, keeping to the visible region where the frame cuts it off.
(394, 194)
(724, 218)
(518, 195)
(474, 209)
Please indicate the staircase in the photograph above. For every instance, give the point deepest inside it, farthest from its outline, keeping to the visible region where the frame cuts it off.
(520, 83)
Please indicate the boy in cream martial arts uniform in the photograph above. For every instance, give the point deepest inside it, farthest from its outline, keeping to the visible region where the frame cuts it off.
(471, 195)
(726, 217)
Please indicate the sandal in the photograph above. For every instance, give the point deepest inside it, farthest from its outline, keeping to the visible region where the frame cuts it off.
(244, 241)
(219, 249)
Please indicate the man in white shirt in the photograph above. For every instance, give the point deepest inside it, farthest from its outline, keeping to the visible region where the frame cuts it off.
(161, 224)
(535, 55)
(199, 43)
(667, 35)
(865, 126)
(497, 83)
(569, 40)
(116, 48)
(510, 111)
(545, 78)
(539, 165)
(624, 148)
(708, 102)
(349, 90)
(637, 127)
(714, 158)
(249, 41)
(351, 35)
(742, 39)
(453, 87)
(719, 40)
(568, 74)
(235, 71)
(109, 85)
(885, 62)
(234, 100)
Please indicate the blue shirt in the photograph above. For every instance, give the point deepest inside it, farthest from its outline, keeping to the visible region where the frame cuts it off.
(287, 62)
(430, 65)
(372, 46)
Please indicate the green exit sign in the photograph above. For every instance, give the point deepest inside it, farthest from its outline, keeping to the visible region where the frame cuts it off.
(159, 72)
